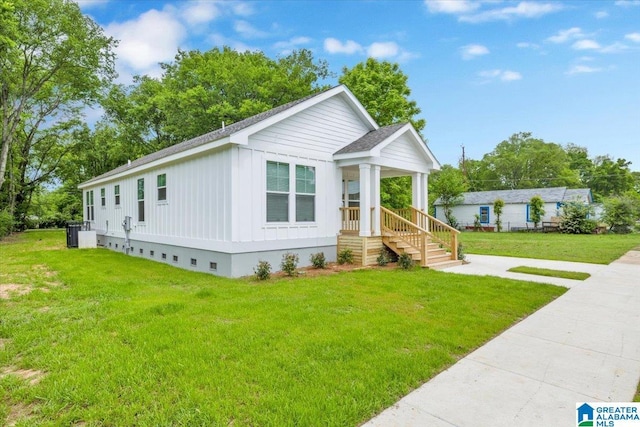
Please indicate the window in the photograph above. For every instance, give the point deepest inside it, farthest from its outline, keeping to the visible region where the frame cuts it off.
(90, 212)
(152, 253)
(484, 214)
(164, 256)
(353, 187)
(277, 192)
(175, 258)
(213, 265)
(103, 197)
(116, 195)
(141, 251)
(194, 262)
(162, 187)
(305, 193)
(141, 200)
(528, 213)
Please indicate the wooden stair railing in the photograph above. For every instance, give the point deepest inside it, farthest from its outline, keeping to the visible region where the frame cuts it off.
(439, 232)
(393, 224)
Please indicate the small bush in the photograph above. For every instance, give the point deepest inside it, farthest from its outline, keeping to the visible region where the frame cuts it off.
(575, 219)
(318, 260)
(384, 258)
(345, 256)
(405, 261)
(289, 263)
(6, 223)
(461, 254)
(263, 270)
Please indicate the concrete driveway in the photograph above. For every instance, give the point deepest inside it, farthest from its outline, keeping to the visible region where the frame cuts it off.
(582, 347)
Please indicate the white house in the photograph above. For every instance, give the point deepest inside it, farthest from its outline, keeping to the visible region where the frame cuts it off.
(516, 212)
(292, 179)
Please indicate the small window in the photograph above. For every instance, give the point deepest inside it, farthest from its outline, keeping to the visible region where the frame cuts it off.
(116, 195)
(116, 246)
(141, 251)
(103, 197)
(162, 187)
(213, 265)
(484, 214)
(151, 253)
(194, 262)
(164, 256)
(141, 200)
(277, 192)
(109, 244)
(132, 249)
(175, 258)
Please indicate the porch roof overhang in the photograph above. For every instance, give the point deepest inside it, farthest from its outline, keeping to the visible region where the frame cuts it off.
(370, 149)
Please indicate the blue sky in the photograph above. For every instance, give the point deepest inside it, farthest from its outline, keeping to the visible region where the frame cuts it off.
(567, 71)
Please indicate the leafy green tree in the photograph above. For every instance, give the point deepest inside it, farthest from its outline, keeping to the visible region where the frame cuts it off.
(498, 206)
(382, 88)
(575, 219)
(395, 193)
(620, 214)
(447, 185)
(580, 162)
(611, 178)
(536, 210)
(523, 162)
(54, 61)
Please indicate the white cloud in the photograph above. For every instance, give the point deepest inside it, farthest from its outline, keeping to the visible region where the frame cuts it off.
(452, 7)
(565, 35)
(217, 39)
(242, 9)
(152, 37)
(616, 47)
(472, 51)
(634, 37)
(383, 49)
(582, 69)
(90, 4)
(586, 45)
(286, 46)
(503, 75)
(248, 31)
(334, 46)
(527, 45)
(601, 14)
(524, 9)
(196, 13)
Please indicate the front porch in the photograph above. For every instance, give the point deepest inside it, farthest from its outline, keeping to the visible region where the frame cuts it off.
(430, 242)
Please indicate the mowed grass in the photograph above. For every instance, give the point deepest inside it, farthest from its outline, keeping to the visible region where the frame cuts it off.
(563, 274)
(592, 248)
(117, 340)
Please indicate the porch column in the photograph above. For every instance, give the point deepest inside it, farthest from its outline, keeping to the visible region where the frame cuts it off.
(365, 200)
(375, 197)
(416, 190)
(425, 193)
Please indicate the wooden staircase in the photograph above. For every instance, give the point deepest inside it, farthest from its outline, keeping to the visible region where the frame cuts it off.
(430, 242)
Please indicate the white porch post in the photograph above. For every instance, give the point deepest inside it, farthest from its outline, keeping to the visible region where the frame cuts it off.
(340, 190)
(425, 193)
(375, 197)
(365, 200)
(416, 190)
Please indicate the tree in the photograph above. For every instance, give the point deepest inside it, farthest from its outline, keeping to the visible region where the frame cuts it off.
(620, 214)
(498, 205)
(522, 162)
(448, 185)
(54, 61)
(611, 178)
(536, 210)
(382, 88)
(575, 218)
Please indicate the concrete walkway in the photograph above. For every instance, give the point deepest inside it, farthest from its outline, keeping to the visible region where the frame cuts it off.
(582, 347)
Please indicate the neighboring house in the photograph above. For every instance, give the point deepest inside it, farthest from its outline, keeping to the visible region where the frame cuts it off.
(516, 212)
(292, 179)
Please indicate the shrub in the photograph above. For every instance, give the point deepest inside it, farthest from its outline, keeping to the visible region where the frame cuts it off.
(498, 205)
(619, 214)
(383, 259)
(289, 263)
(477, 225)
(461, 255)
(263, 270)
(405, 261)
(575, 219)
(536, 210)
(345, 256)
(318, 260)
(6, 223)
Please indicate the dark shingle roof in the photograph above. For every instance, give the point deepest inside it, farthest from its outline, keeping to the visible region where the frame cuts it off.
(204, 139)
(555, 194)
(370, 140)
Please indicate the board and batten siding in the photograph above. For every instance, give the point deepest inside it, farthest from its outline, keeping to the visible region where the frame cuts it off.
(316, 132)
(198, 205)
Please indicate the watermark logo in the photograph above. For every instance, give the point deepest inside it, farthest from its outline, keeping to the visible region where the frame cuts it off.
(607, 414)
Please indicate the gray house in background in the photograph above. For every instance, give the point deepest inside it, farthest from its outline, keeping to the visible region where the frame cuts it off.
(516, 211)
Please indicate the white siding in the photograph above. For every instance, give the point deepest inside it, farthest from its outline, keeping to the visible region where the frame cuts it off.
(513, 215)
(404, 152)
(318, 131)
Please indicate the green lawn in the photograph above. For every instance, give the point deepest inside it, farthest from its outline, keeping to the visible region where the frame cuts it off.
(592, 248)
(116, 340)
(563, 274)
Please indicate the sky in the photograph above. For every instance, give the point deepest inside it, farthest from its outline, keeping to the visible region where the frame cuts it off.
(480, 71)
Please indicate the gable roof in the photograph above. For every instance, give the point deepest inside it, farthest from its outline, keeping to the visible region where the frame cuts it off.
(224, 134)
(370, 140)
(549, 195)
